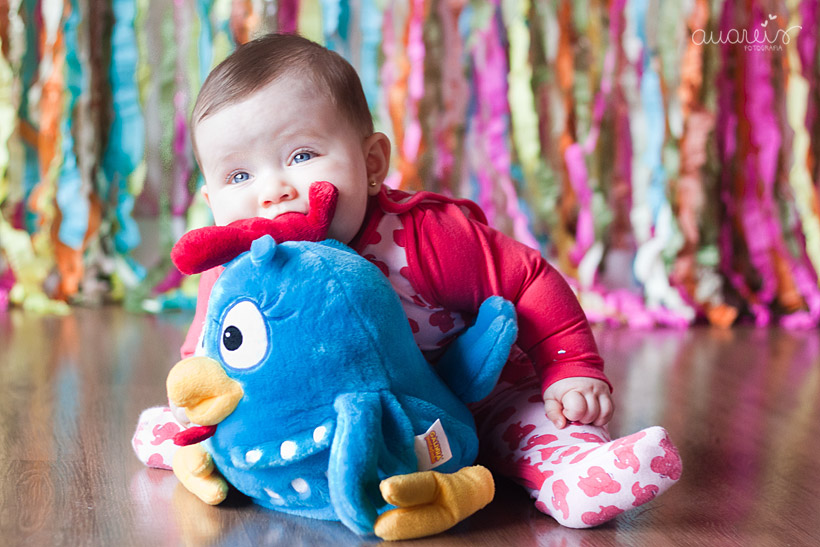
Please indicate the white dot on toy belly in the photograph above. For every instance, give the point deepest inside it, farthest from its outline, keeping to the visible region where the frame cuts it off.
(319, 433)
(287, 450)
(275, 498)
(252, 456)
(301, 486)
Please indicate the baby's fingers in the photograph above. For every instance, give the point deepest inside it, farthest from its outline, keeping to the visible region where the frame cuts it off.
(575, 406)
(593, 409)
(555, 413)
(607, 409)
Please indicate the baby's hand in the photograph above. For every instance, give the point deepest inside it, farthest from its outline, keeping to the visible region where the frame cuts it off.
(578, 399)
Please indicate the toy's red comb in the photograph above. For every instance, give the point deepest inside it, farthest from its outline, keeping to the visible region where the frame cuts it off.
(205, 248)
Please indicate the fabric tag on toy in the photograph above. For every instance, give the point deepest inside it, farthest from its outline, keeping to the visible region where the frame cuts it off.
(432, 447)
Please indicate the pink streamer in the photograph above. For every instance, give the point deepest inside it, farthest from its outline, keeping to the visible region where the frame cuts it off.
(622, 191)
(415, 81)
(758, 213)
(183, 165)
(6, 283)
(805, 275)
(806, 279)
(575, 154)
(726, 130)
(388, 70)
(578, 178)
(172, 280)
(766, 139)
(455, 92)
(287, 16)
(807, 51)
(763, 235)
(490, 122)
(629, 306)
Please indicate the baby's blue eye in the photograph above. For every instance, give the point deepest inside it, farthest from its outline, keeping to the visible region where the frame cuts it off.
(302, 156)
(236, 178)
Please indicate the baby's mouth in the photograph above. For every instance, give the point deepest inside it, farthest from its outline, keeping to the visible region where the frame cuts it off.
(205, 248)
(271, 215)
(295, 226)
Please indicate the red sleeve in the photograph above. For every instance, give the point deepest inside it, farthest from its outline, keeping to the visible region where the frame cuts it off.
(459, 263)
(206, 283)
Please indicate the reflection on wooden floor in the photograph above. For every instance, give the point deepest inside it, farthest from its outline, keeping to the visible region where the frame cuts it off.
(743, 406)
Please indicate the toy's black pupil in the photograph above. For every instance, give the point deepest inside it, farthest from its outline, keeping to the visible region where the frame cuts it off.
(232, 338)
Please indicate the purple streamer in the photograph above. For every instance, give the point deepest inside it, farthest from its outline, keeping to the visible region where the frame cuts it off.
(807, 51)
(287, 16)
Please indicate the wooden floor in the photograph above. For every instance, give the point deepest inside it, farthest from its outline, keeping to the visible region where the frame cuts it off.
(743, 407)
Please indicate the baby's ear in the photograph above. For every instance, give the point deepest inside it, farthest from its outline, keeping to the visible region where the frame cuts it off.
(377, 160)
(204, 191)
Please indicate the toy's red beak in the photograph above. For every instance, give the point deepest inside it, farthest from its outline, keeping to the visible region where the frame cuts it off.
(194, 434)
(200, 386)
(205, 248)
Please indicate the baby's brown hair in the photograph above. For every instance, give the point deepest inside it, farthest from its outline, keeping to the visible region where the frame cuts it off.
(259, 62)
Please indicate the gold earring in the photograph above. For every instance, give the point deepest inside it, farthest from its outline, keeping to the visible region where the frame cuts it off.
(372, 183)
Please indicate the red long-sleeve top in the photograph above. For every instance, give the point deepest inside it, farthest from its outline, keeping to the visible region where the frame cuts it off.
(453, 262)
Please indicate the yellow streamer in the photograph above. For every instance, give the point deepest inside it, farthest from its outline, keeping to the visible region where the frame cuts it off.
(310, 20)
(7, 122)
(222, 45)
(797, 93)
(519, 92)
(30, 271)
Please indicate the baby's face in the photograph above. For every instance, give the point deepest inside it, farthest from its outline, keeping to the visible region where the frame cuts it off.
(259, 157)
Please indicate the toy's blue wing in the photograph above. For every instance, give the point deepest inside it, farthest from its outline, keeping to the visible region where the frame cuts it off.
(358, 446)
(398, 455)
(352, 473)
(472, 363)
(459, 435)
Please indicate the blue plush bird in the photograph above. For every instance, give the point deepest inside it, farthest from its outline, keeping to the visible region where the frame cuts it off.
(308, 369)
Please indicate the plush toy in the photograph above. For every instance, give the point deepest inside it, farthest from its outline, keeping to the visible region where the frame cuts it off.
(316, 401)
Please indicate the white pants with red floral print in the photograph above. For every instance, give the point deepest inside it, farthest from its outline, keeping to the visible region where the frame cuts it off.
(578, 475)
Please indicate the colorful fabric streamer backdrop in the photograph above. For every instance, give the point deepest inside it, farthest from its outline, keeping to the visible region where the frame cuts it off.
(663, 155)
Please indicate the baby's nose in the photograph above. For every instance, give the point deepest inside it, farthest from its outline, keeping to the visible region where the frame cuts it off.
(277, 193)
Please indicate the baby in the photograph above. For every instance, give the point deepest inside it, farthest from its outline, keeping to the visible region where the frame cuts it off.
(281, 113)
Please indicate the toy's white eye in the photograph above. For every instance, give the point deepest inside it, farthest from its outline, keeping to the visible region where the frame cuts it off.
(244, 335)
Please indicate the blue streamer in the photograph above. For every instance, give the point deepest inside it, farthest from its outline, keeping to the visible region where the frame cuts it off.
(28, 73)
(71, 199)
(335, 26)
(652, 102)
(205, 40)
(371, 25)
(331, 13)
(31, 176)
(465, 23)
(127, 136)
(205, 43)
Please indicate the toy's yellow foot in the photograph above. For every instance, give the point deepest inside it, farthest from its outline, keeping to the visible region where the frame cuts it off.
(194, 468)
(429, 502)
